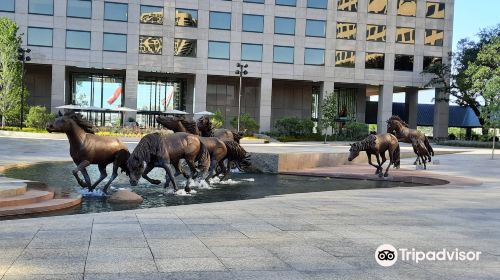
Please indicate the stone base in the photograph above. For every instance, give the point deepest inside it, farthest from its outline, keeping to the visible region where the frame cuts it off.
(125, 196)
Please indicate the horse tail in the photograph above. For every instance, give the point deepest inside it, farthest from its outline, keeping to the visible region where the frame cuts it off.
(396, 157)
(428, 146)
(237, 135)
(235, 152)
(203, 157)
(122, 157)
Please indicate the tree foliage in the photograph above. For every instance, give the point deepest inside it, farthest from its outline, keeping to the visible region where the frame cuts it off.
(38, 117)
(217, 119)
(294, 126)
(10, 71)
(329, 111)
(247, 124)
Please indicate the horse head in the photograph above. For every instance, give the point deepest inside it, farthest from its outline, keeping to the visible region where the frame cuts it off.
(135, 169)
(205, 126)
(353, 151)
(68, 122)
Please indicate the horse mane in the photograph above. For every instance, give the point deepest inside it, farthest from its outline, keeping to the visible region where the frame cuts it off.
(398, 119)
(236, 152)
(171, 123)
(205, 126)
(190, 126)
(149, 144)
(366, 143)
(83, 123)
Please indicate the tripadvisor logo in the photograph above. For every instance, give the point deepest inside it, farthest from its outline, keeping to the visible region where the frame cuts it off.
(386, 255)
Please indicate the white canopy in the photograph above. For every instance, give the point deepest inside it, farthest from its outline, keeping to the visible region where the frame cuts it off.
(174, 112)
(205, 113)
(70, 107)
(124, 109)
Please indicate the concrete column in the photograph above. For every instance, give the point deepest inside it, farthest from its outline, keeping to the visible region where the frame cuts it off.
(411, 106)
(200, 93)
(58, 92)
(441, 114)
(327, 88)
(131, 84)
(385, 96)
(361, 105)
(266, 91)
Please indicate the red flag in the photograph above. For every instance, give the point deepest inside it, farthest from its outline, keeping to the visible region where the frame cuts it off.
(115, 95)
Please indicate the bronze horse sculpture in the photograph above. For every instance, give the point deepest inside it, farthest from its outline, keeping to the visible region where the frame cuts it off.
(403, 133)
(420, 150)
(160, 150)
(86, 148)
(377, 145)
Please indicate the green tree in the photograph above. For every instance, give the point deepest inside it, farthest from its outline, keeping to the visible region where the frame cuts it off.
(38, 117)
(247, 124)
(217, 119)
(329, 112)
(10, 71)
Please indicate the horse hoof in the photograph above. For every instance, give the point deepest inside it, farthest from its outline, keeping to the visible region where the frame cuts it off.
(386, 174)
(187, 189)
(380, 175)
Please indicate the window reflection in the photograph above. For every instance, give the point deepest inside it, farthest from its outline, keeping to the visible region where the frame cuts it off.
(284, 26)
(115, 42)
(407, 8)
(79, 8)
(403, 62)
(38, 36)
(77, 39)
(346, 31)
(292, 3)
(431, 60)
(186, 18)
(434, 37)
(150, 45)
(101, 91)
(315, 28)
(377, 6)
(253, 23)
(314, 56)
(347, 5)
(115, 11)
(151, 14)
(155, 96)
(405, 35)
(283, 54)
(218, 50)
(7, 6)
(375, 61)
(41, 7)
(185, 47)
(345, 59)
(435, 10)
(317, 4)
(376, 33)
(251, 52)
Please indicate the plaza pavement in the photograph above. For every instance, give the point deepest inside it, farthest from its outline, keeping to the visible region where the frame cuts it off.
(324, 235)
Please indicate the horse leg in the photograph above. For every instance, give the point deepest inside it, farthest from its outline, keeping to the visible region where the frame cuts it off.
(192, 167)
(86, 177)
(104, 174)
(391, 161)
(180, 170)
(148, 169)
(379, 168)
(113, 177)
(80, 168)
(211, 170)
(170, 177)
(370, 162)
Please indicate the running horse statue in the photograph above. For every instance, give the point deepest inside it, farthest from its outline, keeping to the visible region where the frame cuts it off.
(403, 133)
(377, 145)
(86, 148)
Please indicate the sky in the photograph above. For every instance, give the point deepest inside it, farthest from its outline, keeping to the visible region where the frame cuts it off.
(470, 17)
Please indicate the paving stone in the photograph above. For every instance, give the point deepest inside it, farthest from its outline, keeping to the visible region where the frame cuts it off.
(45, 277)
(239, 252)
(189, 264)
(255, 263)
(269, 275)
(120, 265)
(47, 266)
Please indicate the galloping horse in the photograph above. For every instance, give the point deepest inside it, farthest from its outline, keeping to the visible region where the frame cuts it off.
(377, 145)
(400, 129)
(160, 150)
(86, 148)
(420, 150)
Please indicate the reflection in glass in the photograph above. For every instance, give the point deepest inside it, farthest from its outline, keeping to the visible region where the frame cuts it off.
(377, 6)
(185, 47)
(346, 31)
(376, 33)
(41, 7)
(7, 6)
(317, 4)
(92, 90)
(347, 5)
(115, 42)
(315, 28)
(407, 8)
(431, 60)
(345, 59)
(151, 14)
(253, 23)
(78, 39)
(158, 96)
(186, 17)
(251, 52)
(283, 54)
(435, 10)
(284, 26)
(218, 50)
(375, 61)
(39, 36)
(115, 11)
(403, 62)
(292, 3)
(79, 8)
(220, 20)
(434, 37)
(405, 35)
(150, 44)
(314, 56)
(254, 1)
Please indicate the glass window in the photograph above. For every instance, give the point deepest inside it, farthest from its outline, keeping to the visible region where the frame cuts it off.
(315, 28)
(158, 96)
(283, 54)
(317, 4)
(405, 35)
(435, 10)
(431, 60)
(377, 6)
(41, 7)
(375, 61)
(347, 5)
(251, 52)
(255, 1)
(407, 8)
(38, 36)
(220, 20)
(115, 42)
(79, 8)
(346, 31)
(151, 14)
(78, 39)
(253, 23)
(185, 47)
(403, 62)
(434, 37)
(286, 2)
(7, 6)
(115, 11)
(97, 91)
(218, 50)
(345, 59)
(314, 56)
(284, 26)
(150, 44)
(186, 17)
(376, 33)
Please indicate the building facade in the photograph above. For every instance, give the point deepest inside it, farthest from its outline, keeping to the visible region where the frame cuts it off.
(154, 55)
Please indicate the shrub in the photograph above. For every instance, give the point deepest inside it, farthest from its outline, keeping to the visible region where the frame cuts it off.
(356, 130)
(247, 124)
(294, 126)
(452, 136)
(38, 117)
(217, 119)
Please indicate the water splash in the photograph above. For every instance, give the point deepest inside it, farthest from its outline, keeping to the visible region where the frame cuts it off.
(248, 180)
(218, 181)
(180, 192)
(95, 193)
